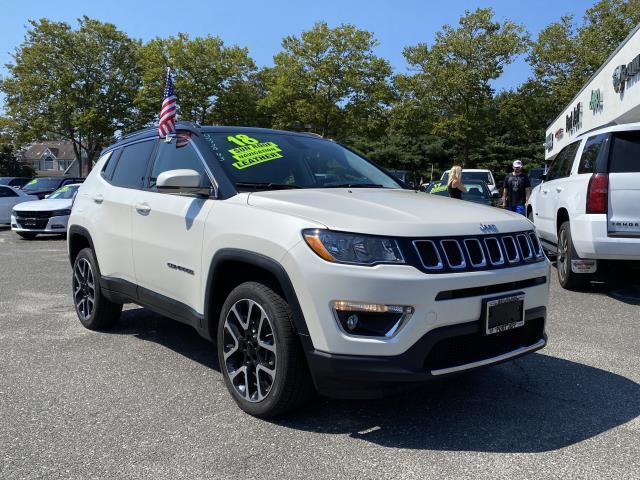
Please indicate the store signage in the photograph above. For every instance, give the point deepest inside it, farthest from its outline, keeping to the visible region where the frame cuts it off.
(596, 101)
(548, 144)
(623, 73)
(574, 119)
(559, 133)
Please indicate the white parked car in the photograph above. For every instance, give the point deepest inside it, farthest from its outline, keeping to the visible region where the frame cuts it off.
(587, 210)
(44, 216)
(473, 175)
(10, 197)
(310, 266)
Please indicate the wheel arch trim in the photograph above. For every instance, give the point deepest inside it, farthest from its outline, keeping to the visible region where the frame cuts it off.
(256, 260)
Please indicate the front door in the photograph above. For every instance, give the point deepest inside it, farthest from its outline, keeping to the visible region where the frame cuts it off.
(168, 230)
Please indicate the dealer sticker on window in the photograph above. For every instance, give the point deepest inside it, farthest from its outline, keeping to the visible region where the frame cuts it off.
(251, 151)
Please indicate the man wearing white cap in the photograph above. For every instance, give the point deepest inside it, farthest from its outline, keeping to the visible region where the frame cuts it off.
(516, 191)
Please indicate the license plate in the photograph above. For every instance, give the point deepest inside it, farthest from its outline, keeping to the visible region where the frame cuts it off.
(503, 313)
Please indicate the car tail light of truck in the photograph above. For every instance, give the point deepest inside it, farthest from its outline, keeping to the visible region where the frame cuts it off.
(598, 193)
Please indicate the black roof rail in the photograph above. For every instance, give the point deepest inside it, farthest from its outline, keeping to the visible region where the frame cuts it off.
(312, 134)
(136, 132)
(183, 123)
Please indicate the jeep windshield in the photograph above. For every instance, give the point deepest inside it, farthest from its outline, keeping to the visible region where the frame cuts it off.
(270, 161)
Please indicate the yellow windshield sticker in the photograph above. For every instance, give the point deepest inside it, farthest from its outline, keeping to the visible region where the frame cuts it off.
(64, 189)
(438, 188)
(251, 151)
(32, 182)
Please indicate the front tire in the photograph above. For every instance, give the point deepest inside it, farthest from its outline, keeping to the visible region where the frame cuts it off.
(94, 310)
(260, 356)
(566, 253)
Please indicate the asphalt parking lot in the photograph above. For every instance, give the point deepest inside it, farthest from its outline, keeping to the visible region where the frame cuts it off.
(146, 400)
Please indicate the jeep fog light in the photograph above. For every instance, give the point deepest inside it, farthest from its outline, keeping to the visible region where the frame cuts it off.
(371, 319)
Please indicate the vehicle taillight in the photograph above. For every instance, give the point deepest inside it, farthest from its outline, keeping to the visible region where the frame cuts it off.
(598, 193)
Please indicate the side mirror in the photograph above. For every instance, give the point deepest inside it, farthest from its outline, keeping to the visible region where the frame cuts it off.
(496, 195)
(47, 195)
(543, 177)
(182, 181)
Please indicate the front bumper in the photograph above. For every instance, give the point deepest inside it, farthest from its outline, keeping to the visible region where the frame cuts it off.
(441, 352)
(439, 300)
(56, 225)
(591, 240)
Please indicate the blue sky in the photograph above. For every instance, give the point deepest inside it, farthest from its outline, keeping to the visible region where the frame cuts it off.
(260, 25)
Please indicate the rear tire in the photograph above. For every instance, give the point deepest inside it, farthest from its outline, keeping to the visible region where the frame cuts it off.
(27, 235)
(566, 253)
(260, 355)
(94, 310)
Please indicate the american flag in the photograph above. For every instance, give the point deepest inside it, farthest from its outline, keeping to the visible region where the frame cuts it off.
(167, 123)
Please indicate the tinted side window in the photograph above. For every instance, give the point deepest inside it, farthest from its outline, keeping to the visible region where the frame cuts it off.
(625, 153)
(561, 166)
(7, 192)
(132, 165)
(110, 164)
(565, 168)
(176, 155)
(555, 166)
(590, 153)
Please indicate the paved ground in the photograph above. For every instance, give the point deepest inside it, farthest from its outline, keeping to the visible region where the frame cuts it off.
(146, 400)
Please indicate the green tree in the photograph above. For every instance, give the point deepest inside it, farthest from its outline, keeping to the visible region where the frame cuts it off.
(452, 77)
(205, 72)
(567, 53)
(328, 80)
(70, 84)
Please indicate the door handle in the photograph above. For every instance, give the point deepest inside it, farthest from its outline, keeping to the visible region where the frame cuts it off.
(142, 208)
(98, 198)
(559, 189)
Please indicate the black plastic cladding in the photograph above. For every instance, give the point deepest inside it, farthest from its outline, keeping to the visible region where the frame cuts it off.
(529, 252)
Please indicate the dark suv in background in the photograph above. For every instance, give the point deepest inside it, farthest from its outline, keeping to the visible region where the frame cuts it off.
(43, 186)
(17, 182)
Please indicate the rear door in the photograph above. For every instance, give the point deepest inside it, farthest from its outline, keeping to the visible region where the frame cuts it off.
(544, 213)
(111, 201)
(624, 184)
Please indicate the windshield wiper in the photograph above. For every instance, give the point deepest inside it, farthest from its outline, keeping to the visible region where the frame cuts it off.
(266, 185)
(354, 185)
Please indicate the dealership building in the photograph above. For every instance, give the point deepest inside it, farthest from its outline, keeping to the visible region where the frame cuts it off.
(611, 96)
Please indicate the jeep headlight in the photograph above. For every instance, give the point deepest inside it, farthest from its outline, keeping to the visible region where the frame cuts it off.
(353, 248)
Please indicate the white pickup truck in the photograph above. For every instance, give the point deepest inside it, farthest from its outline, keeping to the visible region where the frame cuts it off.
(587, 210)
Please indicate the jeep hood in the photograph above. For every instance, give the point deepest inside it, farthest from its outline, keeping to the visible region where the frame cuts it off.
(392, 212)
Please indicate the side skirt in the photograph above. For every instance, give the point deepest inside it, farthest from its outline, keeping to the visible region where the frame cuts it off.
(122, 291)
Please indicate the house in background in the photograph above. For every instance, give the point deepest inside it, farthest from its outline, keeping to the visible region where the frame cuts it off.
(51, 158)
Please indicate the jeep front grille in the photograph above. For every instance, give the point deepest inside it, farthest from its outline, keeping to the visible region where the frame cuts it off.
(482, 252)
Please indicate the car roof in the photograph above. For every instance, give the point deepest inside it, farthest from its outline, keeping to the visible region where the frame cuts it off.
(623, 127)
(152, 132)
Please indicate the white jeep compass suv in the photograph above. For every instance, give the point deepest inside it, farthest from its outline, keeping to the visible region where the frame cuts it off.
(587, 210)
(309, 266)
